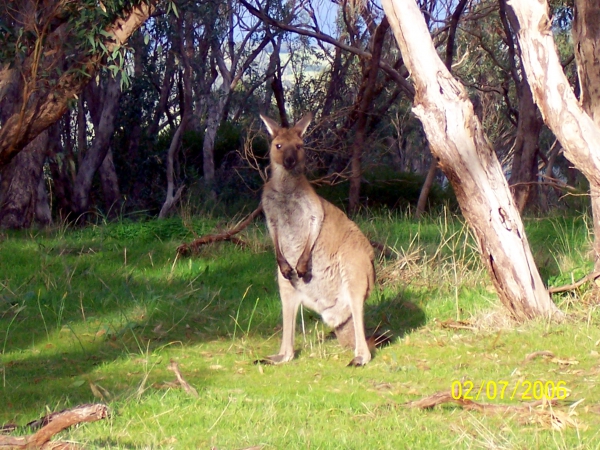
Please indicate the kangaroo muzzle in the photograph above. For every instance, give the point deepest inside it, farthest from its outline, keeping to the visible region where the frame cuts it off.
(290, 159)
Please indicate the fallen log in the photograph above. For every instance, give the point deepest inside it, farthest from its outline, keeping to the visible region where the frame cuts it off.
(194, 246)
(53, 424)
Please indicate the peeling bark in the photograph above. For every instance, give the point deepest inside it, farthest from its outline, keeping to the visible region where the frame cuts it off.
(456, 137)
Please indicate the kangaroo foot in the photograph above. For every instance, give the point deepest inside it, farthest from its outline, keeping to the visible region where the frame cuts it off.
(357, 361)
(273, 360)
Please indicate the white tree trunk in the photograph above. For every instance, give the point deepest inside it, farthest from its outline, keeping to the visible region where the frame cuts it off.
(576, 131)
(466, 157)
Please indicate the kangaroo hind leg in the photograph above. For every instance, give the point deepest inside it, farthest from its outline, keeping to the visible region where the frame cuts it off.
(290, 301)
(345, 333)
(356, 295)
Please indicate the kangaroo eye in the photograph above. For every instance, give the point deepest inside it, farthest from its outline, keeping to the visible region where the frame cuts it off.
(278, 146)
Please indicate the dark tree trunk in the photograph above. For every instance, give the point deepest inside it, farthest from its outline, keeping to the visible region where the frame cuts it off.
(19, 184)
(525, 168)
(426, 188)
(110, 186)
(529, 124)
(61, 163)
(96, 154)
(43, 213)
(369, 81)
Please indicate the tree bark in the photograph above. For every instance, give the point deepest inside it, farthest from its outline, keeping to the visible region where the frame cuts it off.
(43, 106)
(43, 213)
(575, 129)
(430, 178)
(110, 186)
(19, 184)
(426, 188)
(97, 152)
(586, 36)
(466, 157)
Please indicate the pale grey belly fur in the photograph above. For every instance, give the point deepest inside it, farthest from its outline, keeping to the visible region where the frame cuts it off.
(324, 293)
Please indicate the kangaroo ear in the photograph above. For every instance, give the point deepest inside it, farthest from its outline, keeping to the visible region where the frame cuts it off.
(303, 124)
(272, 127)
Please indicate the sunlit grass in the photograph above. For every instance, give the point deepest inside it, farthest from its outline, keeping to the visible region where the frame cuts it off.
(96, 314)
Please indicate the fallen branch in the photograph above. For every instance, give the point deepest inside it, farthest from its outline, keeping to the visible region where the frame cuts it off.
(440, 398)
(570, 287)
(52, 424)
(173, 366)
(194, 246)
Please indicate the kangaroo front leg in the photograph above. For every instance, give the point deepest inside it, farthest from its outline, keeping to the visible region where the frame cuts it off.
(304, 266)
(289, 305)
(284, 267)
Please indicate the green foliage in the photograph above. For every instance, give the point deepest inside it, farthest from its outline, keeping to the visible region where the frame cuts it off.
(383, 187)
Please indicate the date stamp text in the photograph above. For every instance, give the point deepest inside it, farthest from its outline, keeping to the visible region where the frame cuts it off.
(523, 390)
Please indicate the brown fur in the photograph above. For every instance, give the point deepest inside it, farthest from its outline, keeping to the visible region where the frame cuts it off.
(325, 262)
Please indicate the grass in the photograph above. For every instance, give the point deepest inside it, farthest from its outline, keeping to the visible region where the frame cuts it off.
(96, 314)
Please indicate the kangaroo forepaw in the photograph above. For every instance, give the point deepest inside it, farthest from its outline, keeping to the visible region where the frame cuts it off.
(286, 270)
(306, 274)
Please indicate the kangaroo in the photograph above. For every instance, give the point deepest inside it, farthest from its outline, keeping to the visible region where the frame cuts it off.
(325, 262)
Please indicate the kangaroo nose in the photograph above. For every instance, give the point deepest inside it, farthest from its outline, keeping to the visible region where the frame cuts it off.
(289, 162)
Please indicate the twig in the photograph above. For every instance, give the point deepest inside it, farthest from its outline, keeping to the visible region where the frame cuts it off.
(194, 246)
(173, 366)
(53, 424)
(534, 355)
(569, 287)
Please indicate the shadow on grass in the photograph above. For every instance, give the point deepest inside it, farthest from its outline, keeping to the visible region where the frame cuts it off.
(68, 311)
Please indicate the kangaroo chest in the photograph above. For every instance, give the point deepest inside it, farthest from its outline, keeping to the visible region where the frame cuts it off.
(292, 216)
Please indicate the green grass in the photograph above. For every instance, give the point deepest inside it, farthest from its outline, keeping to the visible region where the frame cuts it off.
(96, 314)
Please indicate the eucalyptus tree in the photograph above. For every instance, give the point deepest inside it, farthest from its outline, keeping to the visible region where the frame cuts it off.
(456, 137)
(48, 53)
(575, 123)
(586, 37)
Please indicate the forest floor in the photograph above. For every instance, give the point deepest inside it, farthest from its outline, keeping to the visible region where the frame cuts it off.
(98, 315)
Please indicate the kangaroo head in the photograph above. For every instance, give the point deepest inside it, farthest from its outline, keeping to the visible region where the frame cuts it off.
(287, 148)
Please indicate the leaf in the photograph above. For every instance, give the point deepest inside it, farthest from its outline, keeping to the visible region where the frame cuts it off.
(77, 383)
(97, 393)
